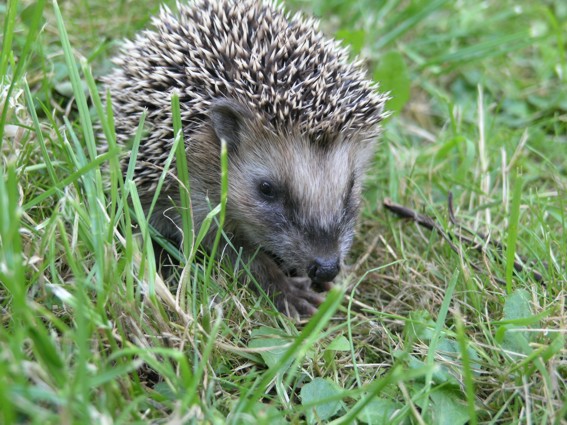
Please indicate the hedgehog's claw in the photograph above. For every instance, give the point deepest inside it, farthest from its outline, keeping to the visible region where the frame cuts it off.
(323, 286)
(298, 299)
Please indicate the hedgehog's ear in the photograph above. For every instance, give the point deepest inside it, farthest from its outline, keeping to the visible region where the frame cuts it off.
(228, 119)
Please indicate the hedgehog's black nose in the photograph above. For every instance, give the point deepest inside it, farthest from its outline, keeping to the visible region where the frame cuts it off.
(323, 270)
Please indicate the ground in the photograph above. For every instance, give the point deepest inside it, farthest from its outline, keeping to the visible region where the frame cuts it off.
(461, 322)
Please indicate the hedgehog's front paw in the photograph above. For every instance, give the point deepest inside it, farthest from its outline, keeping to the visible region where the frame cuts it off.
(323, 286)
(296, 298)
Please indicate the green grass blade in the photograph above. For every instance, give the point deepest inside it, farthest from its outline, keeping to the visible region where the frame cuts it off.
(467, 371)
(223, 200)
(72, 178)
(39, 134)
(183, 176)
(78, 92)
(6, 53)
(397, 29)
(513, 232)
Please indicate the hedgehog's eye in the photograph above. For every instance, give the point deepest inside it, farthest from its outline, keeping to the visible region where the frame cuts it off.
(267, 190)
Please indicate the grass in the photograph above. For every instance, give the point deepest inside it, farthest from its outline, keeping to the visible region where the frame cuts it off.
(416, 334)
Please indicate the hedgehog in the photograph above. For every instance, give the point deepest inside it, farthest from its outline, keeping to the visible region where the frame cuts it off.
(300, 121)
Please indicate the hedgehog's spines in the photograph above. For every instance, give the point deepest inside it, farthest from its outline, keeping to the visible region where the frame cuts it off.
(276, 64)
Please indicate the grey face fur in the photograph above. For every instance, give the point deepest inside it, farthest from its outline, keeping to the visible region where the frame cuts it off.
(291, 198)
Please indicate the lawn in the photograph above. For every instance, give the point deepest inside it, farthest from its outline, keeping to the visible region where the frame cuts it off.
(454, 315)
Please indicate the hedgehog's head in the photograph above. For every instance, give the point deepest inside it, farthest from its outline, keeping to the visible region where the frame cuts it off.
(293, 198)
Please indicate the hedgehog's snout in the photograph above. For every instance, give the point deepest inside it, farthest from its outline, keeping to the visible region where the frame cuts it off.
(324, 269)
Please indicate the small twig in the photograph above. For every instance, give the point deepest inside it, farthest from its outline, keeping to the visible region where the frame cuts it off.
(425, 221)
(429, 223)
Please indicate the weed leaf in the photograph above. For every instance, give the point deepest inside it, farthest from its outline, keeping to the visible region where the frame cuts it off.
(317, 390)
